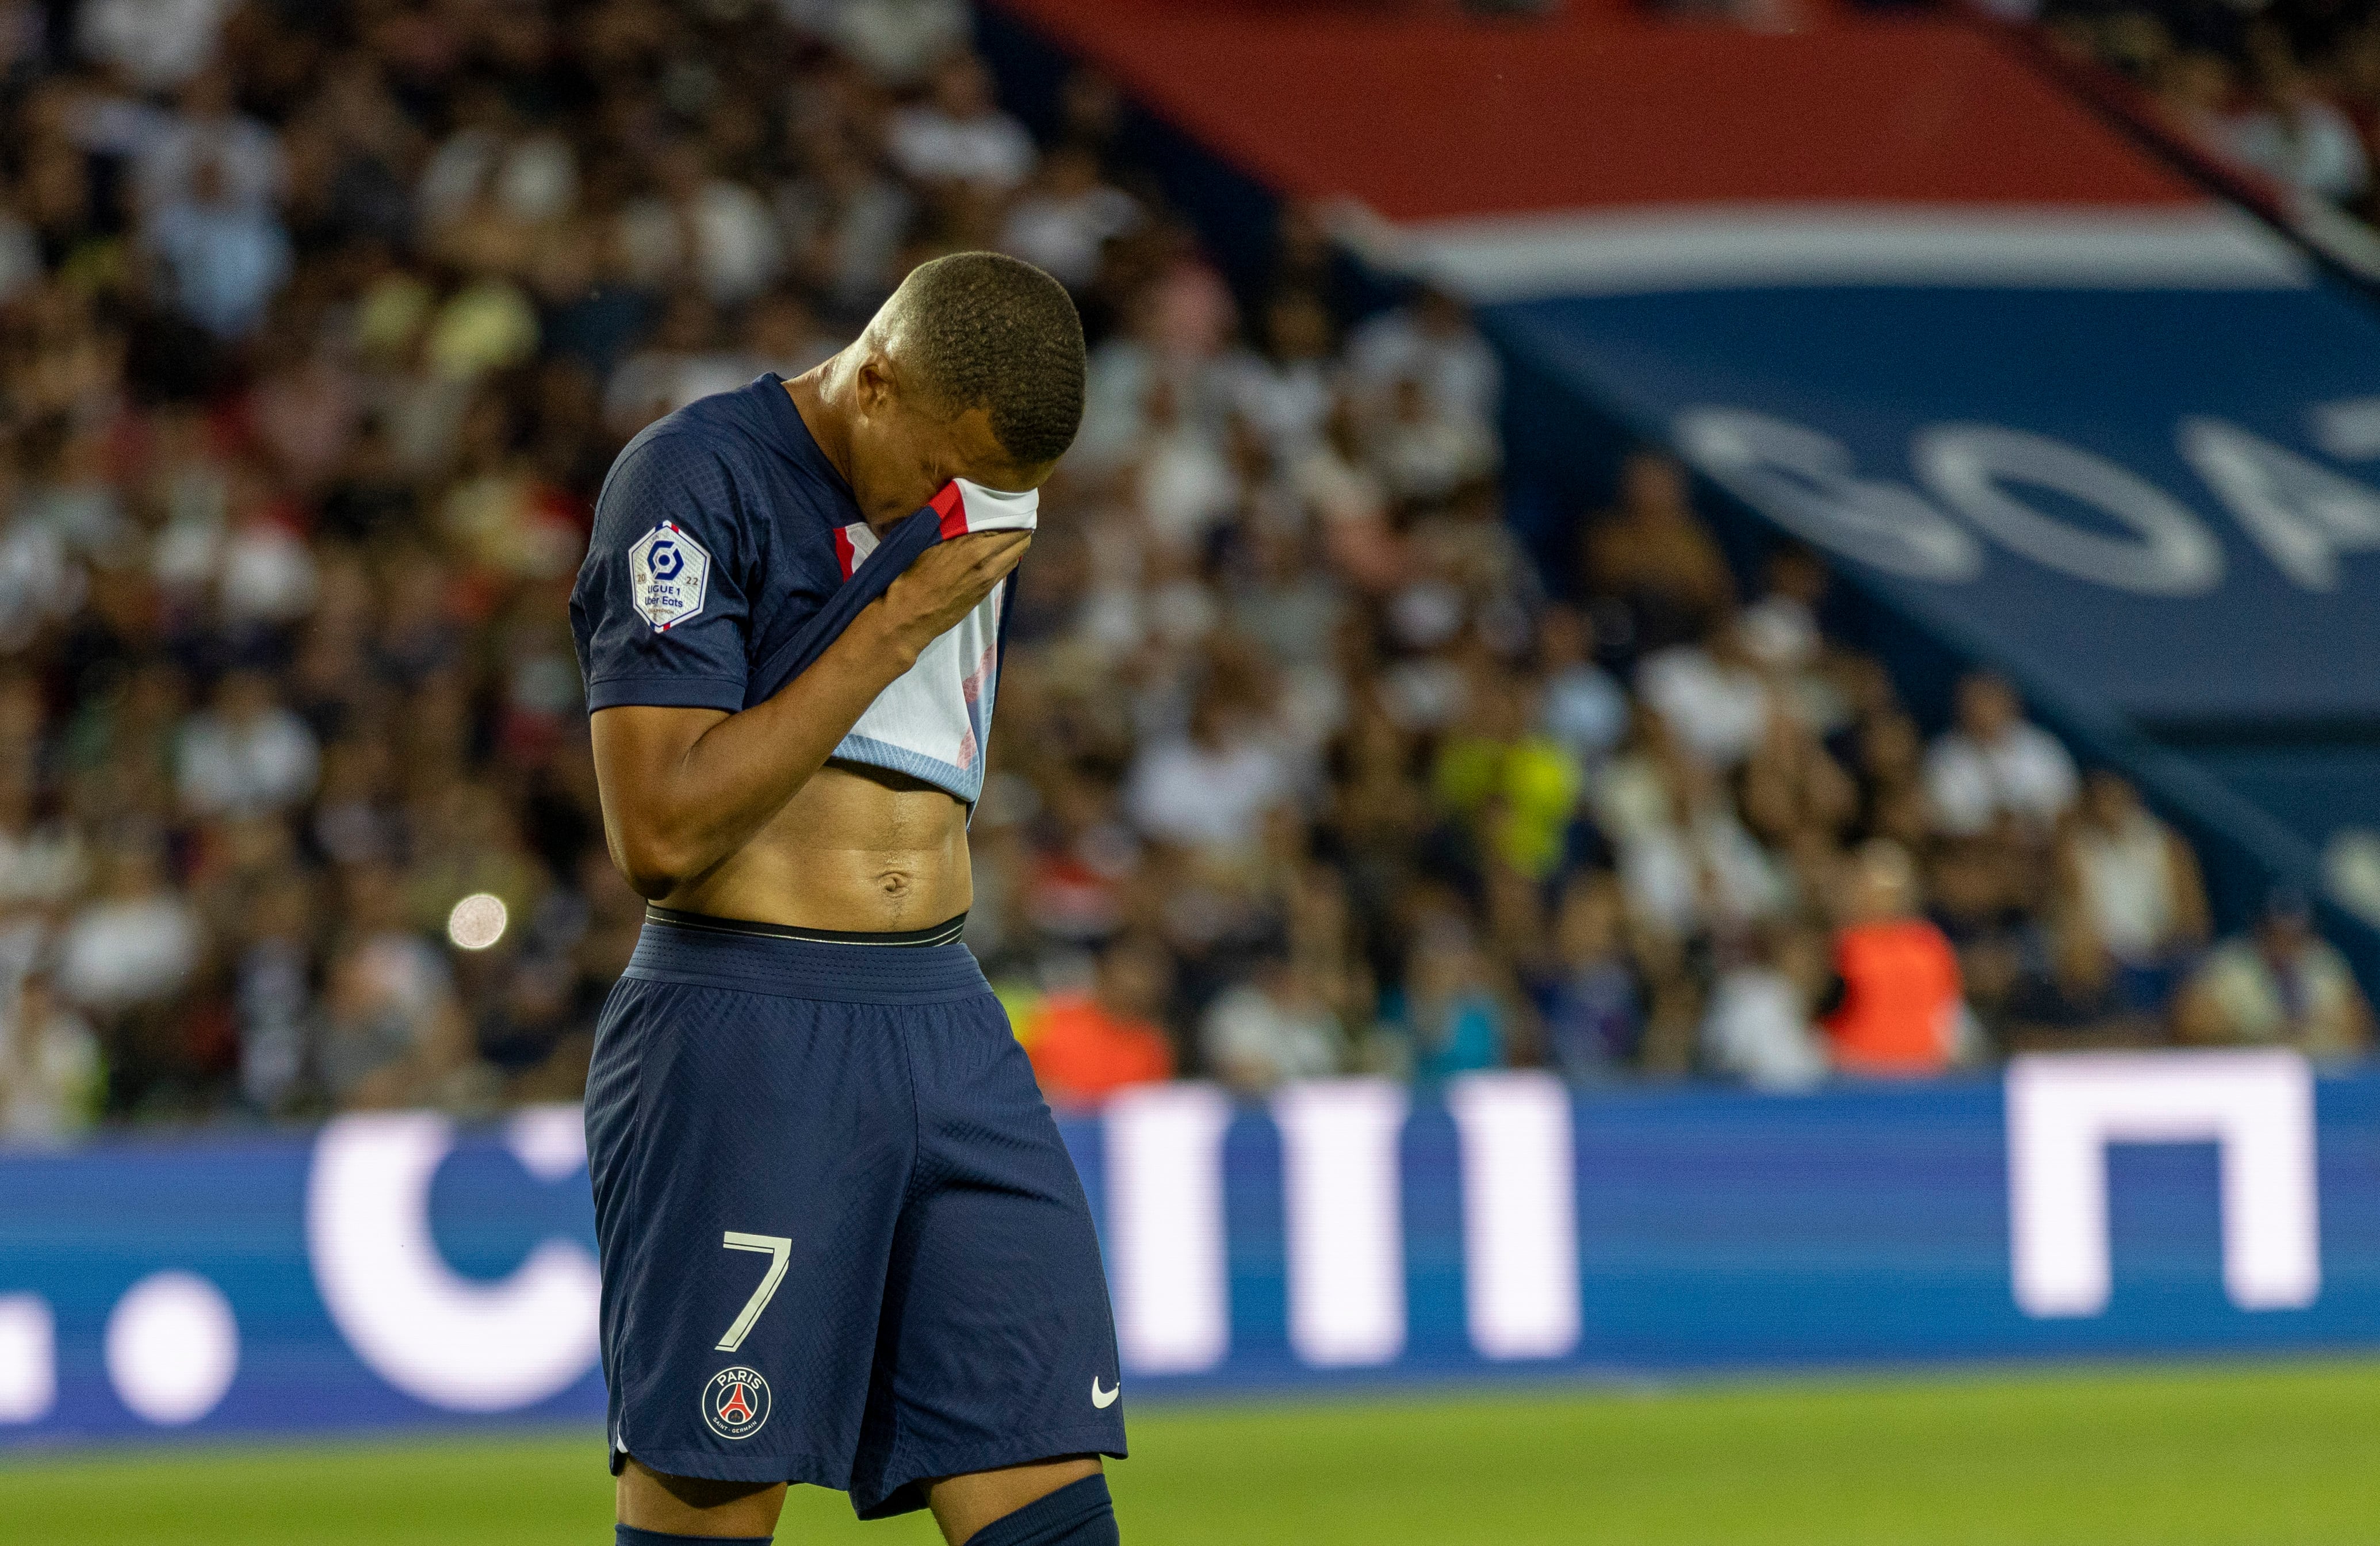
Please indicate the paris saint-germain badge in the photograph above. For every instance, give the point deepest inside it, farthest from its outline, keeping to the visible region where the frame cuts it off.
(737, 1403)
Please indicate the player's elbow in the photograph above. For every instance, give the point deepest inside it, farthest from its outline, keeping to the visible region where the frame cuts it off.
(651, 864)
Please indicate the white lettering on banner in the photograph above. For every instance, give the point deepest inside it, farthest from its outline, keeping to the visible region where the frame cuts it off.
(28, 1357)
(1520, 1213)
(1342, 1196)
(441, 1337)
(1164, 1175)
(2347, 428)
(1806, 482)
(2301, 513)
(2063, 1111)
(2170, 553)
(172, 1349)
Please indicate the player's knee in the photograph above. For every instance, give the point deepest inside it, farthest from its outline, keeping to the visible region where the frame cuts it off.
(1079, 1514)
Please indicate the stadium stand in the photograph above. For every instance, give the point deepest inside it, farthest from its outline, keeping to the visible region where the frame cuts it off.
(2289, 92)
(320, 325)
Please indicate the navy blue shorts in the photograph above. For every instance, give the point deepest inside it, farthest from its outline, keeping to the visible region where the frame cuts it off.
(841, 1241)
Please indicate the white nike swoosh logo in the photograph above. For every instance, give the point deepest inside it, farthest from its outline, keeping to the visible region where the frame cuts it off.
(1103, 1399)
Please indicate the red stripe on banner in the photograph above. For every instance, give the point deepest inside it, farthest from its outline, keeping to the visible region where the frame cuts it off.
(951, 505)
(1428, 117)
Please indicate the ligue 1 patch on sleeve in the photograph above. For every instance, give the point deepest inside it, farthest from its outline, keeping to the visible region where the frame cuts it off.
(668, 572)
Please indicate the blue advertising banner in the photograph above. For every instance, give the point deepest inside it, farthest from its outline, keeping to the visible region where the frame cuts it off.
(2163, 500)
(392, 1270)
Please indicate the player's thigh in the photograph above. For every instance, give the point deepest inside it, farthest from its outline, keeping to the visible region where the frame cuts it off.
(999, 1344)
(650, 1499)
(749, 1184)
(963, 1505)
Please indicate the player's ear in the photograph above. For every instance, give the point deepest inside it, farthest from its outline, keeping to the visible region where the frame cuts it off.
(873, 383)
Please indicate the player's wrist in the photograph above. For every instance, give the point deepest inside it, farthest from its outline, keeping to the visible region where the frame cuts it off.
(885, 637)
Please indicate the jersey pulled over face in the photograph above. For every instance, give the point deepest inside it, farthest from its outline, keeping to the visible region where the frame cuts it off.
(728, 553)
(934, 722)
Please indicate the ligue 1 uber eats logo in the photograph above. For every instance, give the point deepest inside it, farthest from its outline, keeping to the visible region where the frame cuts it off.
(736, 1404)
(668, 572)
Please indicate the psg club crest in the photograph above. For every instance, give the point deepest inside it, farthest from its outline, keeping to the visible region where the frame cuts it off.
(737, 1403)
(668, 572)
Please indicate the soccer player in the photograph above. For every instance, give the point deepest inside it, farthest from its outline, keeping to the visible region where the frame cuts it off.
(842, 1243)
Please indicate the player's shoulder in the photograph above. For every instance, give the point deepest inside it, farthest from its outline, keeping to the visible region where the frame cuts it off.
(725, 429)
(719, 463)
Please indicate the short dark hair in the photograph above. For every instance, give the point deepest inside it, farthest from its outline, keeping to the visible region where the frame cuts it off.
(983, 330)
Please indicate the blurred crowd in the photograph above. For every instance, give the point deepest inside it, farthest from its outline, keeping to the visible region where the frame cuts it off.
(2288, 89)
(320, 325)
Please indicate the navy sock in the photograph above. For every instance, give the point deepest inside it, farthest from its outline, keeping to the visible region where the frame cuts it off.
(1079, 1514)
(628, 1535)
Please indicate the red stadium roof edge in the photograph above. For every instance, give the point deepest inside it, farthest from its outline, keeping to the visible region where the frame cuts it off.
(1590, 153)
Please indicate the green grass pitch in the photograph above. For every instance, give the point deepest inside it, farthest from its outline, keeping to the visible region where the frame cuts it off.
(2264, 1456)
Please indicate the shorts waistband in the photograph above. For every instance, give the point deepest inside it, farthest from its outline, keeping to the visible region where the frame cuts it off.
(702, 953)
(940, 934)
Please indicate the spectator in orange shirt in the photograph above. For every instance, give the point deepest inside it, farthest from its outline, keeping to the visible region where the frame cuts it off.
(1896, 1008)
(1086, 1046)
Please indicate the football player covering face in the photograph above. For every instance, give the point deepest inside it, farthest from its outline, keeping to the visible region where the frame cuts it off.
(774, 854)
(742, 815)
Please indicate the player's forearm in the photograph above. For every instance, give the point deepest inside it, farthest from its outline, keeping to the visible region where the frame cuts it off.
(734, 777)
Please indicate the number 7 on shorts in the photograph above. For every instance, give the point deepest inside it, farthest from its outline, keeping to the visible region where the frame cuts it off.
(779, 1250)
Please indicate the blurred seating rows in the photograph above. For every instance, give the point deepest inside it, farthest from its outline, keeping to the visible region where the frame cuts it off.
(2289, 91)
(320, 325)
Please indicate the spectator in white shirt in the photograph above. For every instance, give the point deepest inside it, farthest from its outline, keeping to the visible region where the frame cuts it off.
(1758, 1027)
(1064, 220)
(532, 179)
(1185, 483)
(221, 261)
(711, 229)
(158, 43)
(393, 1033)
(1210, 789)
(896, 41)
(138, 942)
(42, 580)
(41, 862)
(1712, 694)
(1996, 766)
(2133, 882)
(1583, 708)
(49, 1066)
(1286, 394)
(2279, 984)
(247, 754)
(210, 127)
(2292, 134)
(1691, 866)
(259, 570)
(844, 221)
(1431, 340)
(1425, 451)
(1269, 1029)
(959, 134)
(680, 362)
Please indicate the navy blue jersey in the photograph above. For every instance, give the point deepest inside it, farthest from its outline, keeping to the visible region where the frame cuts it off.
(714, 544)
(728, 553)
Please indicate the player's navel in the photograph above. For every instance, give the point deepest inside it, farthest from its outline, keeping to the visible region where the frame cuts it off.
(896, 885)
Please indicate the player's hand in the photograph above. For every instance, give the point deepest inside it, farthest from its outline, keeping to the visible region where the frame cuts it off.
(947, 581)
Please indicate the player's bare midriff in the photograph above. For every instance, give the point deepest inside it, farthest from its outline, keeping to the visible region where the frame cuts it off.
(856, 850)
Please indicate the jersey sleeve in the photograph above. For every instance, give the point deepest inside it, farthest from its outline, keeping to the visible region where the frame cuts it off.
(660, 612)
